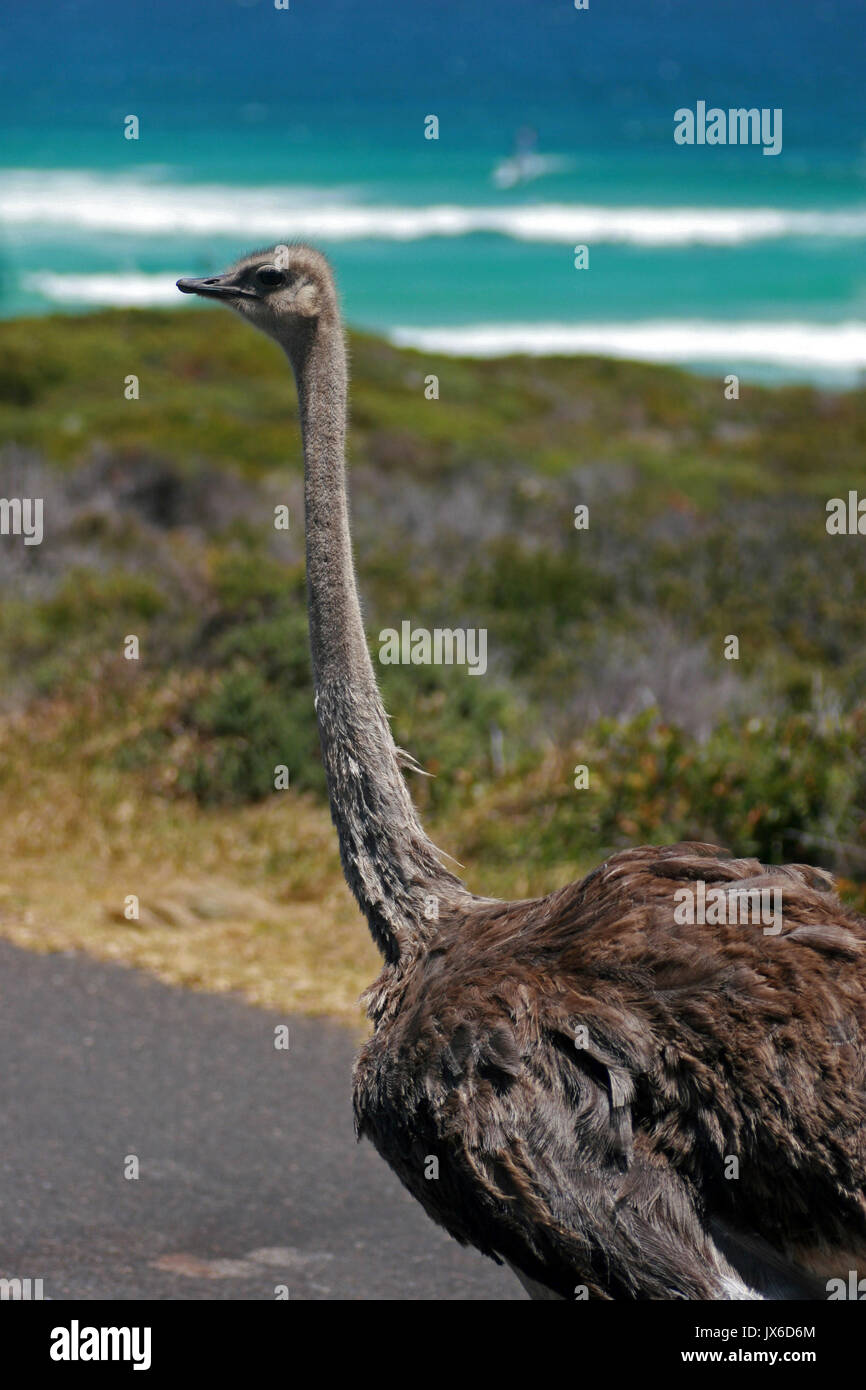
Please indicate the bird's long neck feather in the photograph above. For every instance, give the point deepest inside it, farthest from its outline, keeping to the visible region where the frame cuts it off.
(390, 865)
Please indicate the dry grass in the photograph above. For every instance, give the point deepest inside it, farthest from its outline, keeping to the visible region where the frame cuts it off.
(248, 900)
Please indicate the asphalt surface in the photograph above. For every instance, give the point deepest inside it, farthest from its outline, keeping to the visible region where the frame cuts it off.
(250, 1179)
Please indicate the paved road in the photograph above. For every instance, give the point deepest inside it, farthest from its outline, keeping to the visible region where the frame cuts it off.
(250, 1176)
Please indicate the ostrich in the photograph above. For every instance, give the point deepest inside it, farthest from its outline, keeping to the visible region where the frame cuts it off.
(616, 1103)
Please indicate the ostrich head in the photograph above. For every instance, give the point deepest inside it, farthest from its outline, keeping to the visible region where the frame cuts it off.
(282, 291)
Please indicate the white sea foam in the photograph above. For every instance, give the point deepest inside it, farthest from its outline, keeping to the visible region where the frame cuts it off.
(833, 347)
(125, 290)
(84, 201)
(839, 347)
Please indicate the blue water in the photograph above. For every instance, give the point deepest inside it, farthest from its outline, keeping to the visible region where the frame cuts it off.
(259, 125)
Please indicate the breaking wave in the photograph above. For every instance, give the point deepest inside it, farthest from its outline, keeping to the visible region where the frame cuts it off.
(148, 207)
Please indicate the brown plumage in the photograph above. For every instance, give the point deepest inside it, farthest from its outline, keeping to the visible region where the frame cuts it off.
(598, 1158)
(618, 1104)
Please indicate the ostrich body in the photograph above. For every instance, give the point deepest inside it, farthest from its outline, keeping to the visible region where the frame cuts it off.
(619, 1106)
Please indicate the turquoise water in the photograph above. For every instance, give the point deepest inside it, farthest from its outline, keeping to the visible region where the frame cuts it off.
(259, 126)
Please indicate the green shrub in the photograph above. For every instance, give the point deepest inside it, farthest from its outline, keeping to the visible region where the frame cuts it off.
(247, 726)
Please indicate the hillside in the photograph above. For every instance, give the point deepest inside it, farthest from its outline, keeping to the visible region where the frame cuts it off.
(605, 645)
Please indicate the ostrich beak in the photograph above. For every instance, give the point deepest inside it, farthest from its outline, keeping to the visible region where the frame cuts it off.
(215, 287)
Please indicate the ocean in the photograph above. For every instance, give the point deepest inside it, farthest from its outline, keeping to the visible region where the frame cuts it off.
(555, 130)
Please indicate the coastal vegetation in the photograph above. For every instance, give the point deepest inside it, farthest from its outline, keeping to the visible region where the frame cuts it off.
(605, 649)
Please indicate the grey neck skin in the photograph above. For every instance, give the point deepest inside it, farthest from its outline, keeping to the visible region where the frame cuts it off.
(390, 865)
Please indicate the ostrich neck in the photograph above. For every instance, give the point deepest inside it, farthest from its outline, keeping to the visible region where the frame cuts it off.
(390, 865)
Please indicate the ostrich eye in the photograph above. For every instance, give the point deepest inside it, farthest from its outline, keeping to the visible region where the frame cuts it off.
(270, 276)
